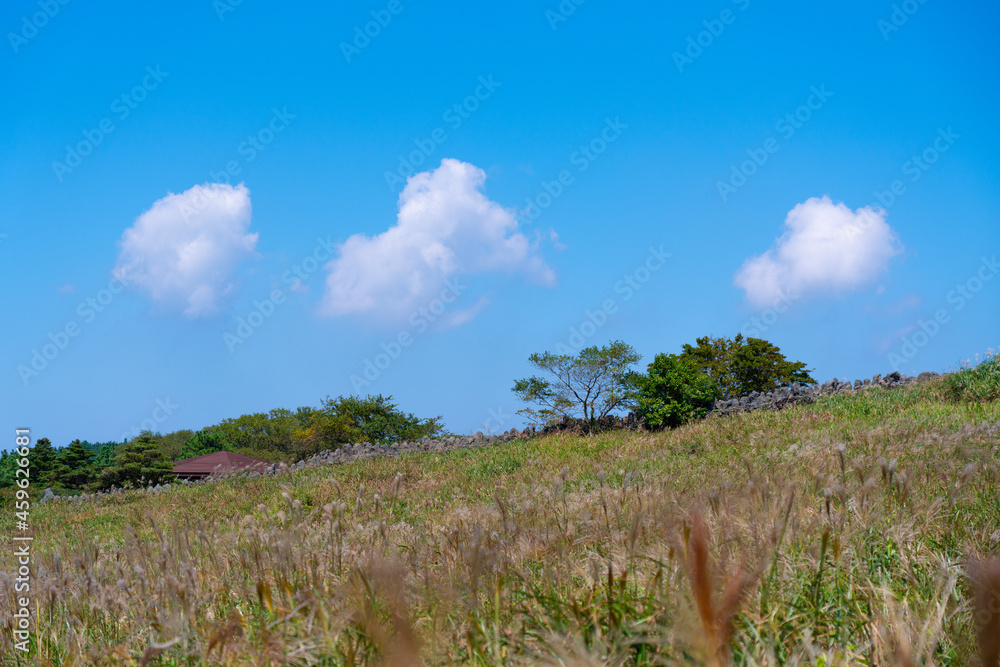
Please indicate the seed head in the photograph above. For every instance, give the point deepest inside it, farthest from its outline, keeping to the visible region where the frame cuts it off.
(967, 473)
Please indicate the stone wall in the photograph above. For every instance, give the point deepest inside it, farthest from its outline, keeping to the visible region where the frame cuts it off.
(803, 394)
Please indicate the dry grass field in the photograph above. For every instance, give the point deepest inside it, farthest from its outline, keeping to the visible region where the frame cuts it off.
(857, 530)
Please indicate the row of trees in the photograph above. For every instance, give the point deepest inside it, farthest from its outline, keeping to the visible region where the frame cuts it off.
(83, 466)
(286, 435)
(278, 435)
(69, 466)
(674, 389)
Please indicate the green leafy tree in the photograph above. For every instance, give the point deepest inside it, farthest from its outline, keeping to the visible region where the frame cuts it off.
(76, 468)
(590, 385)
(376, 419)
(44, 460)
(673, 391)
(319, 430)
(739, 366)
(266, 431)
(282, 434)
(171, 444)
(138, 462)
(205, 441)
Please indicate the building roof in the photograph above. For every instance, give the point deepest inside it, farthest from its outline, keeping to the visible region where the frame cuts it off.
(206, 464)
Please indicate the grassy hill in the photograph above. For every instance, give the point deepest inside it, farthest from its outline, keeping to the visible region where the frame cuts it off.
(843, 532)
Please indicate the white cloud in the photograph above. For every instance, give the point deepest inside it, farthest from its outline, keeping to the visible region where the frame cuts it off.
(184, 251)
(827, 249)
(446, 228)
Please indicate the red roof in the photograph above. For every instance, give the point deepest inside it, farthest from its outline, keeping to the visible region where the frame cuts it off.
(206, 464)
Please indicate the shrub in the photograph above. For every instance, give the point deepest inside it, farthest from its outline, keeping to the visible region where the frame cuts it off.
(673, 391)
(977, 384)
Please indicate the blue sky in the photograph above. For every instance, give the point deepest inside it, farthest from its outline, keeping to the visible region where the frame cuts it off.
(743, 139)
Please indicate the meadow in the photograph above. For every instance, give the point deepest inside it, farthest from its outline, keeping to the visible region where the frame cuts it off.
(861, 529)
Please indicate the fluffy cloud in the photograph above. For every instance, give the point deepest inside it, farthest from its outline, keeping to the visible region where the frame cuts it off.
(446, 228)
(184, 251)
(826, 249)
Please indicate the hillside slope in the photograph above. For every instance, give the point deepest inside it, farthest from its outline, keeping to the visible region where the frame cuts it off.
(757, 533)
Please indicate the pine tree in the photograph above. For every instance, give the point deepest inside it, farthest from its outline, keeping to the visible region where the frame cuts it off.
(105, 454)
(44, 461)
(139, 462)
(76, 467)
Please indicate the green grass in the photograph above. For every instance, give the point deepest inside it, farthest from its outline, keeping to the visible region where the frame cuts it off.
(978, 384)
(562, 549)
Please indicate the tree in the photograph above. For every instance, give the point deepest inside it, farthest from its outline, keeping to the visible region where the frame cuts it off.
(172, 443)
(75, 467)
(282, 434)
(318, 429)
(270, 431)
(104, 454)
(378, 419)
(138, 462)
(44, 461)
(673, 391)
(740, 366)
(592, 384)
(206, 441)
